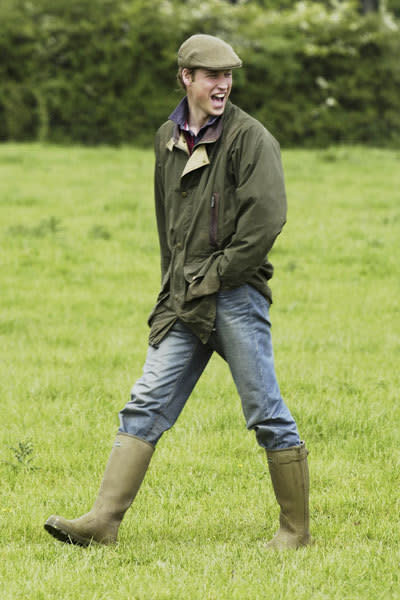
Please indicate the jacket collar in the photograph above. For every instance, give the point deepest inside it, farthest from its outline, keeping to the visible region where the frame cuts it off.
(199, 157)
(211, 135)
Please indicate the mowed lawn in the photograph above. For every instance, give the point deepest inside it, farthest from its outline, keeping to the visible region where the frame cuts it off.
(79, 272)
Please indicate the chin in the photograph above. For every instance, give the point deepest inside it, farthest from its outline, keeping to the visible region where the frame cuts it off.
(215, 112)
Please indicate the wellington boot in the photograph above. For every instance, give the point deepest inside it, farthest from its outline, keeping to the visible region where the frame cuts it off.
(126, 467)
(289, 474)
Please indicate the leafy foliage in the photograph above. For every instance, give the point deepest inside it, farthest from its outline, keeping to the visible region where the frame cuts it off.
(102, 72)
(329, 76)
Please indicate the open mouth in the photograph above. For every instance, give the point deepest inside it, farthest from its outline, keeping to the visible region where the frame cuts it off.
(218, 99)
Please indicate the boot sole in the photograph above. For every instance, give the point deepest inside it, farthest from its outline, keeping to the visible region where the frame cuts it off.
(64, 536)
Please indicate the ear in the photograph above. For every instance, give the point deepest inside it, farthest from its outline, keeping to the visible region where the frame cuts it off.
(187, 77)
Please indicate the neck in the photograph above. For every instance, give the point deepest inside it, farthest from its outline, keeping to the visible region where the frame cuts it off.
(196, 119)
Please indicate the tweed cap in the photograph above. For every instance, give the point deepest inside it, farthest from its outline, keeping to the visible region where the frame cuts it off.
(207, 52)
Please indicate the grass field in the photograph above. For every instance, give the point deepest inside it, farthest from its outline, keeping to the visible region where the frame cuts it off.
(79, 274)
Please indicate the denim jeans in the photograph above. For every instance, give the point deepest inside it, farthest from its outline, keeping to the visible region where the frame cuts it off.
(242, 337)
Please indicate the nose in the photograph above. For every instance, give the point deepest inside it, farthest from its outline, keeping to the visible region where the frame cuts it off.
(223, 83)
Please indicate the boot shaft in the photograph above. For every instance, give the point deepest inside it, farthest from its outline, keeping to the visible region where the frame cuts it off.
(123, 475)
(290, 479)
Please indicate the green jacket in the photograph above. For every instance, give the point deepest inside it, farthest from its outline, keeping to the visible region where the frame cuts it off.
(218, 214)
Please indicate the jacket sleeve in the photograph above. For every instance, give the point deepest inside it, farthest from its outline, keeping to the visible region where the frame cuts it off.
(261, 201)
(165, 254)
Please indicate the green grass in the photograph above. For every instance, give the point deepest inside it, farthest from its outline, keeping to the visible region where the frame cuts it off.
(79, 274)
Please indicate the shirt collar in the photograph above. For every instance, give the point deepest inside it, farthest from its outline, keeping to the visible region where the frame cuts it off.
(180, 117)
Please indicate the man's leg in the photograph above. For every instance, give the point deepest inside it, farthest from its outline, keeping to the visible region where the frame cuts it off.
(242, 336)
(169, 375)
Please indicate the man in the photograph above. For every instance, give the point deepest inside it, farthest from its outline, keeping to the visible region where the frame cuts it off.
(220, 204)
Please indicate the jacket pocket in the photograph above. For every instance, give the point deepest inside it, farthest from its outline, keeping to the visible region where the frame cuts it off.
(214, 208)
(197, 270)
(203, 280)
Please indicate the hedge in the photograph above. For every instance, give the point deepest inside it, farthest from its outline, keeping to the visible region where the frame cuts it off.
(102, 71)
(392, 6)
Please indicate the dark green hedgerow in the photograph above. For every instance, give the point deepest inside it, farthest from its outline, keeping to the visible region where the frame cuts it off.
(327, 76)
(102, 71)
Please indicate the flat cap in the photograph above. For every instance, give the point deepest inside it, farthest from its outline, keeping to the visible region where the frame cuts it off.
(207, 52)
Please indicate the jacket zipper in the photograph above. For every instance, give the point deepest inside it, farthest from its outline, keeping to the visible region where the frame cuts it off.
(214, 220)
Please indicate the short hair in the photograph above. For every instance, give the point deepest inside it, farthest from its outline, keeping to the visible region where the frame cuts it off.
(179, 77)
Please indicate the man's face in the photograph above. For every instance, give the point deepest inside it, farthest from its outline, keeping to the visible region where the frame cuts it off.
(207, 91)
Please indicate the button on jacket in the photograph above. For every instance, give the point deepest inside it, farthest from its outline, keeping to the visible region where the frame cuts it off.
(219, 211)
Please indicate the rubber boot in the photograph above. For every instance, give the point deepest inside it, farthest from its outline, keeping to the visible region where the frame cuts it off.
(289, 474)
(126, 467)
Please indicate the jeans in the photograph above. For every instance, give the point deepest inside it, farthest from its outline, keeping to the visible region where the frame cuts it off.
(242, 337)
